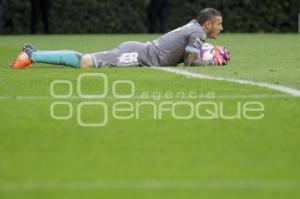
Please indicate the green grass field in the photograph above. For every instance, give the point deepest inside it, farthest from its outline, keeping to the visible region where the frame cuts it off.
(144, 157)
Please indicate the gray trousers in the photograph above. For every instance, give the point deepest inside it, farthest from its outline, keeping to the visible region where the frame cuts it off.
(126, 54)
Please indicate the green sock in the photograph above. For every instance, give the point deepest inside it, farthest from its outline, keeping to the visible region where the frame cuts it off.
(59, 57)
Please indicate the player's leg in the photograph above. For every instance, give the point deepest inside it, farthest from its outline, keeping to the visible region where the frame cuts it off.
(125, 55)
(151, 16)
(86, 61)
(163, 15)
(59, 57)
(45, 8)
(35, 13)
(30, 55)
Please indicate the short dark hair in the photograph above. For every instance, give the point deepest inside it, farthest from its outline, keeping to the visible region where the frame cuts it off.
(207, 14)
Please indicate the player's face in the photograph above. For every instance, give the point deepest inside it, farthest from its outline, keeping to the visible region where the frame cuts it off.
(215, 27)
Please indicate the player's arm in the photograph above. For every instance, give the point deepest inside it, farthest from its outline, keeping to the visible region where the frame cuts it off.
(191, 57)
(192, 50)
(221, 57)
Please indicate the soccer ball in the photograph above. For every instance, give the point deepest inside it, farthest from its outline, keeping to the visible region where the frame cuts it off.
(207, 52)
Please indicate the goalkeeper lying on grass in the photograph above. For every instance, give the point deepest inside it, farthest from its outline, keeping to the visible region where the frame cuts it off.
(181, 45)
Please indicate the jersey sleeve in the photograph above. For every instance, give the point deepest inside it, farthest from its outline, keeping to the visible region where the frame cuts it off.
(195, 42)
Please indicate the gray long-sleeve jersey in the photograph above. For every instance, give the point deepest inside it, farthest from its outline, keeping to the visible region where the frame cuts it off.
(167, 50)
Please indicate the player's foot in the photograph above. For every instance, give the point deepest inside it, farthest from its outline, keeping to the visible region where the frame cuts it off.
(23, 59)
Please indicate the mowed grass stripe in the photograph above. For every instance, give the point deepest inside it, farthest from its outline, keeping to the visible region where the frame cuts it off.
(154, 98)
(90, 185)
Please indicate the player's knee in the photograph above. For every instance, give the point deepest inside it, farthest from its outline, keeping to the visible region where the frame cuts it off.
(86, 61)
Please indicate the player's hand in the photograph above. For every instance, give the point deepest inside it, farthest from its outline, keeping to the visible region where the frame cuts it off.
(221, 56)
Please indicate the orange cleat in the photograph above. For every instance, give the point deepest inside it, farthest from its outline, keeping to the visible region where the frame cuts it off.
(21, 61)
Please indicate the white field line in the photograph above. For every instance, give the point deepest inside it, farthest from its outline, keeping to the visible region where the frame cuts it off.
(148, 185)
(280, 88)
